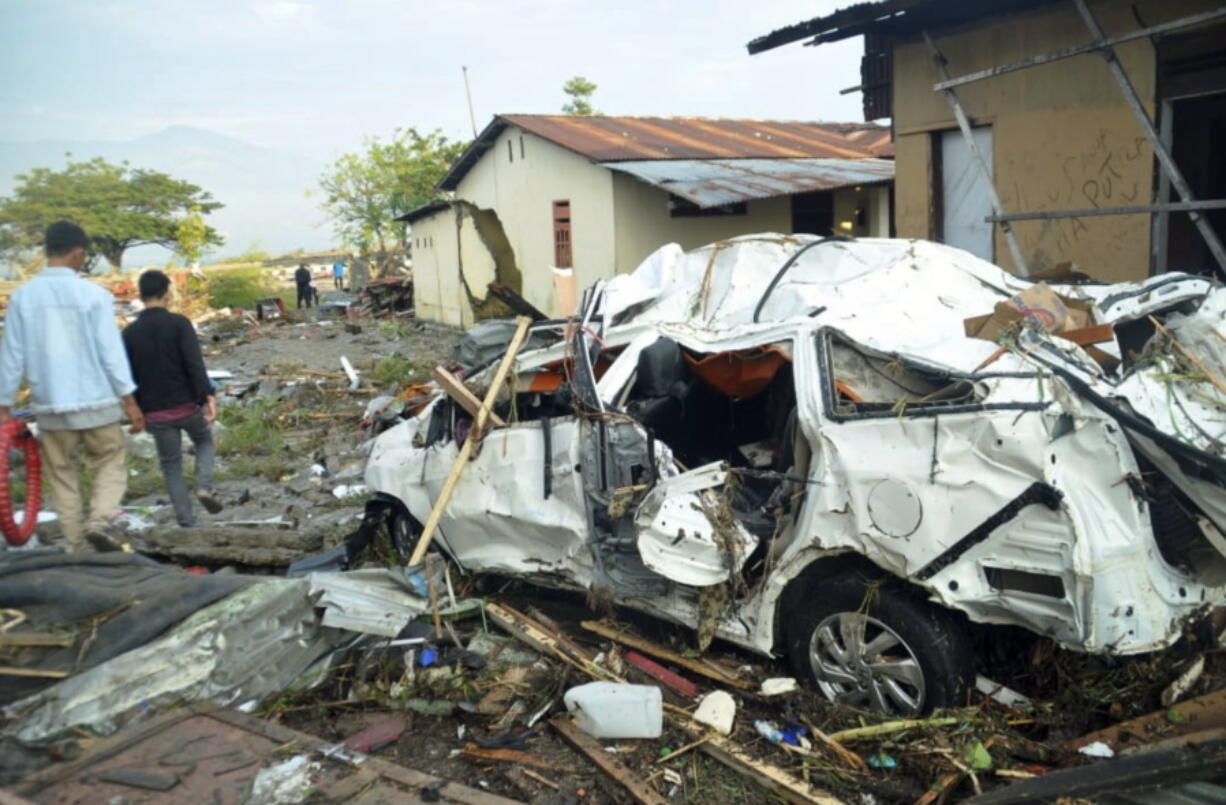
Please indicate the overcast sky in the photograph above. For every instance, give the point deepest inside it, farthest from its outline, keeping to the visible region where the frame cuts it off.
(314, 76)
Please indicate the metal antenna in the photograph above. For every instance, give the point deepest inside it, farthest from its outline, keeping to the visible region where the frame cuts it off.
(472, 118)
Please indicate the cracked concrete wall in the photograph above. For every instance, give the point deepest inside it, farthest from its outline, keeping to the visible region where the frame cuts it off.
(457, 253)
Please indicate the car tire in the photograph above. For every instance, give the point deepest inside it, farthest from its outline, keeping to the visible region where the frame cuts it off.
(402, 532)
(878, 645)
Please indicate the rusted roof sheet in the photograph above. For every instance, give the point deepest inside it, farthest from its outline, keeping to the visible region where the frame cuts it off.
(609, 139)
(617, 139)
(712, 182)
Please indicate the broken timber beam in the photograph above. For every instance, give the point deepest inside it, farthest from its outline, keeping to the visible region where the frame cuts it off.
(511, 298)
(773, 778)
(10, 671)
(33, 639)
(709, 670)
(1201, 714)
(533, 634)
(515, 756)
(607, 763)
(459, 392)
(474, 435)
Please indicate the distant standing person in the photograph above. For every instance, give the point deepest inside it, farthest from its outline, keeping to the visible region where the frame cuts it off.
(174, 393)
(338, 275)
(306, 293)
(60, 336)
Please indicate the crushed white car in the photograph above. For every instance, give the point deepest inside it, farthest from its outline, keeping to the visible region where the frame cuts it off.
(790, 443)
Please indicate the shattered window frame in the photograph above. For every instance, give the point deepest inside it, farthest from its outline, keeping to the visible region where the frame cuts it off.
(824, 339)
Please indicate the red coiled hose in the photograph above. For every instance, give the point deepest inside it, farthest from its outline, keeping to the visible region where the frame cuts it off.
(15, 435)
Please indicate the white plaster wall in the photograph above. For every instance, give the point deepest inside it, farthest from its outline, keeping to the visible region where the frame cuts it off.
(436, 281)
(644, 224)
(521, 189)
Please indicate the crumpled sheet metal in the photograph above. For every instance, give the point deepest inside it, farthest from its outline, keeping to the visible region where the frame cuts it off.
(677, 537)
(502, 490)
(261, 640)
(377, 601)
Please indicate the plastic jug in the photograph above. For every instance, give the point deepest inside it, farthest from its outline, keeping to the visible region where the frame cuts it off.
(614, 710)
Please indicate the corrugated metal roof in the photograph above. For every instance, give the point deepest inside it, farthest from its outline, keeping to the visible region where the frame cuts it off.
(616, 139)
(608, 139)
(712, 182)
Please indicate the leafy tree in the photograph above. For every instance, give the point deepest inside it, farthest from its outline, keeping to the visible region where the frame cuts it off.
(192, 236)
(119, 206)
(580, 91)
(366, 191)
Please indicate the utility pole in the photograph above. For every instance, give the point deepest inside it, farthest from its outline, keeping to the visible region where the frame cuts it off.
(472, 118)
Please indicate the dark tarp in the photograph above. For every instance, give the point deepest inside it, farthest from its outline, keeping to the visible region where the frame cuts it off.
(130, 598)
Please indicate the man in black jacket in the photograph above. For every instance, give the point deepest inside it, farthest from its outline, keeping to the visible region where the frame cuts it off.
(306, 292)
(174, 393)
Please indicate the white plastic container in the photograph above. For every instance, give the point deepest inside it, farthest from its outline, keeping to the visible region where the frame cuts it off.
(613, 710)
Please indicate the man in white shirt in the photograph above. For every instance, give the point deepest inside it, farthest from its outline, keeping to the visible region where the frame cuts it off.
(60, 337)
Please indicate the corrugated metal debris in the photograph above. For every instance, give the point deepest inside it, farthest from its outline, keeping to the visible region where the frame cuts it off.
(711, 182)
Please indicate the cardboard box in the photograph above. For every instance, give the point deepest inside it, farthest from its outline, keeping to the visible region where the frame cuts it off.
(1038, 306)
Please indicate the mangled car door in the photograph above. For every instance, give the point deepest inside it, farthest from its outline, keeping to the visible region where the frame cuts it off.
(517, 506)
(650, 521)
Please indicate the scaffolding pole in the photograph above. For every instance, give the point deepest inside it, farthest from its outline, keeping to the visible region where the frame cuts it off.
(1091, 212)
(1066, 53)
(964, 124)
(1147, 126)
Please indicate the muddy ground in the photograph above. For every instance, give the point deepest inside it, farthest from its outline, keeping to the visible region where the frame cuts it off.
(290, 431)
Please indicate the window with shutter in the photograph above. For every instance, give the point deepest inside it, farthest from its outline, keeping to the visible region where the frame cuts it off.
(561, 235)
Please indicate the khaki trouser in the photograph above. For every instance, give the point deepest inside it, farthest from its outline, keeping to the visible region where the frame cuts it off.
(105, 451)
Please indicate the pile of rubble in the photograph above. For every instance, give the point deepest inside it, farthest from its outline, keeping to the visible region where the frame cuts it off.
(967, 509)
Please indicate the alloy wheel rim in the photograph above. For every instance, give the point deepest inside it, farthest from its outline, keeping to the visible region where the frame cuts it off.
(859, 661)
(402, 537)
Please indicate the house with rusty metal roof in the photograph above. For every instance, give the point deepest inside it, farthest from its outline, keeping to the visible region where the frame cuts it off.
(1039, 132)
(544, 203)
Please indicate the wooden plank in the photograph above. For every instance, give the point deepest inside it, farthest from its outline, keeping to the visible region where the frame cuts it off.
(459, 392)
(516, 756)
(6, 670)
(509, 297)
(647, 647)
(607, 763)
(1097, 334)
(33, 639)
(466, 450)
(772, 778)
(661, 674)
(1202, 713)
(531, 633)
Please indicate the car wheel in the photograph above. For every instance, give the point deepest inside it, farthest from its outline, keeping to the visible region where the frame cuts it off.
(403, 532)
(880, 647)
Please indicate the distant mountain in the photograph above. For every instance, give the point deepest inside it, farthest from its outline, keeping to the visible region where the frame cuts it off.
(264, 189)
